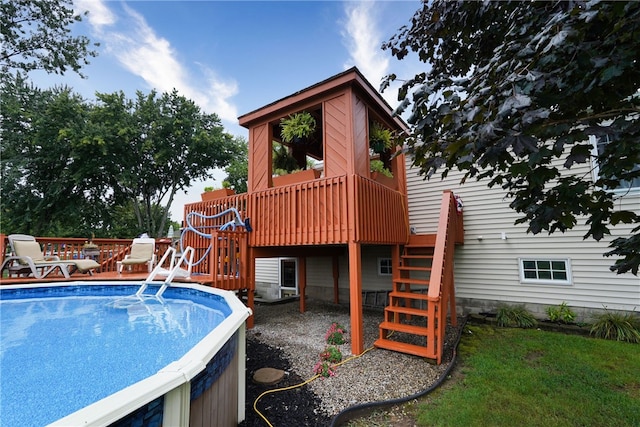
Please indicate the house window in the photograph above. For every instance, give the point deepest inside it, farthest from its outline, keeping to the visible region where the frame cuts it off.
(384, 267)
(599, 144)
(545, 271)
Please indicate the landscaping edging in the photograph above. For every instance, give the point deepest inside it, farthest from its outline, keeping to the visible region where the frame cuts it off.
(490, 319)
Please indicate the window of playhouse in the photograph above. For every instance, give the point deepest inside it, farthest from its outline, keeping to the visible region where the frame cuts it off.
(286, 160)
(381, 143)
(297, 141)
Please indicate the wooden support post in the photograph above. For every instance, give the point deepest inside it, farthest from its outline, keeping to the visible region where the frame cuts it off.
(302, 282)
(336, 277)
(355, 298)
(3, 248)
(251, 285)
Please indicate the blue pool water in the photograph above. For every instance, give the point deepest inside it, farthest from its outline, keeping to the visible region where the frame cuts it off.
(63, 348)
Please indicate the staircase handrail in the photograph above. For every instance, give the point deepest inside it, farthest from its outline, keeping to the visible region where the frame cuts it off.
(445, 239)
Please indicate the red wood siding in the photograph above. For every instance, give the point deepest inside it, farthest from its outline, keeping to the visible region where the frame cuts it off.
(337, 140)
(259, 157)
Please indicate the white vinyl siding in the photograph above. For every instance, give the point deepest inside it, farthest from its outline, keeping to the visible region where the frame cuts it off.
(487, 266)
(267, 270)
(319, 272)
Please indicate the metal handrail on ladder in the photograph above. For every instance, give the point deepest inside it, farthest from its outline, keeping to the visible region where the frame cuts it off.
(175, 269)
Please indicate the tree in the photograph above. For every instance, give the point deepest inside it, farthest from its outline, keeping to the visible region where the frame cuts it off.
(512, 88)
(35, 34)
(48, 184)
(71, 167)
(238, 169)
(154, 146)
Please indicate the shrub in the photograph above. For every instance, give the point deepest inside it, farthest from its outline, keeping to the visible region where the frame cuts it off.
(335, 334)
(616, 326)
(515, 316)
(561, 313)
(331, 355)
(324, 368)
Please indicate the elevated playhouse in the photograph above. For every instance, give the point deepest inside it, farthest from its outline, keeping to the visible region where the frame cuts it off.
(332, 210)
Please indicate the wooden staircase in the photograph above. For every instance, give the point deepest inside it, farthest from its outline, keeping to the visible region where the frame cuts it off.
(406, 317)
(422, 290)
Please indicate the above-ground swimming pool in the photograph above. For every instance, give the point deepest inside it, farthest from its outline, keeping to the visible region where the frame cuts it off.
(107, 356)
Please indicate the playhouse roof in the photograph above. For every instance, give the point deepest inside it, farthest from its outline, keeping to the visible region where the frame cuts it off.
(351, 77)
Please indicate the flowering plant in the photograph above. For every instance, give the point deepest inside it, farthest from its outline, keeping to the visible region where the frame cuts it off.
(324, 369)
(335, 334)
(331, 354)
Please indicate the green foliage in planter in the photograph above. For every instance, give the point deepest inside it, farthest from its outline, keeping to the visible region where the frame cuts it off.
(208, 188)
(297, 125)
(561, 313)
(283, 161)
(378, 166)
(617, 326)
(515, 316)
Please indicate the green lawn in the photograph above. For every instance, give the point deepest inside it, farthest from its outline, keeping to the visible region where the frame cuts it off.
(527, 377)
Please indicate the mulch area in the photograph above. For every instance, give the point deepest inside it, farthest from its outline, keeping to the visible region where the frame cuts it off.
(295, 407)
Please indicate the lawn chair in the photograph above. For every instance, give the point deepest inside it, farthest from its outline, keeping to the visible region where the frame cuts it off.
(27, 258)
(143, 251)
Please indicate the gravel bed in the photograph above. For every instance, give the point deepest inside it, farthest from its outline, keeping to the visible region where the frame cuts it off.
(300, 337)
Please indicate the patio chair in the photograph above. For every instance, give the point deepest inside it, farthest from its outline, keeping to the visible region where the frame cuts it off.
(143, 251)
(27, 258)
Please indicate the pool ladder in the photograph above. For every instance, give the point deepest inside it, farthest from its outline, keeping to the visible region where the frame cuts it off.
(175, 269)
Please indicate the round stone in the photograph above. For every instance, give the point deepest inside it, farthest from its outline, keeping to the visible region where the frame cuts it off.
(268, 376)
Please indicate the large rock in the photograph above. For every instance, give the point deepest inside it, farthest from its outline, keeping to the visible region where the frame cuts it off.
(268, 376)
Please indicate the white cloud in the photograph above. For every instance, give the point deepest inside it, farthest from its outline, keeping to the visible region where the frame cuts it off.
(140, 50)
(146, 55)
(218, 94)
(99, 14)
(363, 40)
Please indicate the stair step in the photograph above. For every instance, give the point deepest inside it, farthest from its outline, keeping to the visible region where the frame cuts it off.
(409, 281)
(416, 350)
(416, 256)
(392, 309)
(401, 327)
(408, 295)
(422, 240)
(413, 268)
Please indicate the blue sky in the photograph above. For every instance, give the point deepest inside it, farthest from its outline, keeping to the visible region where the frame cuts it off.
(232, 57)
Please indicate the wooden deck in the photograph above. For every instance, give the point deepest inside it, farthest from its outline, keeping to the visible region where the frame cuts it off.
(109, 276)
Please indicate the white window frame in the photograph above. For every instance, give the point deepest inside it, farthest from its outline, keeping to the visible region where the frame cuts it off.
(388, 266)
(526, 280)
(282, 288)
(595, 167)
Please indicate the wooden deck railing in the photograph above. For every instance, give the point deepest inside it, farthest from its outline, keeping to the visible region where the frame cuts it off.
(381, 215)
(228, 260)
(328, 211)
(441, 280)
(110, 250)
(308, 213)
(214, 207)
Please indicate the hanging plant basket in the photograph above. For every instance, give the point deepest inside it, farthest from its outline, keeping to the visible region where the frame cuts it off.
(297, 128)
(380, 138)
